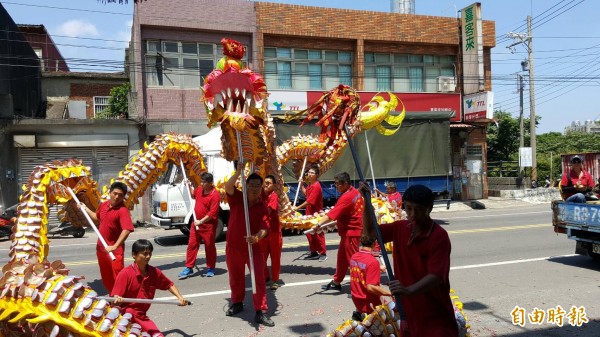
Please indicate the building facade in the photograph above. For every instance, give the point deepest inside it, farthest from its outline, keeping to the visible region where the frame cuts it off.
(303, 51)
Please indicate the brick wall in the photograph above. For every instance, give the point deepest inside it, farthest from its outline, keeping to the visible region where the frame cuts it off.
(186, 20)
(281, 19)
(87, 91)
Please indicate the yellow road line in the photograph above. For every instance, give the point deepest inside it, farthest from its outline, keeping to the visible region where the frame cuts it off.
(497, 229)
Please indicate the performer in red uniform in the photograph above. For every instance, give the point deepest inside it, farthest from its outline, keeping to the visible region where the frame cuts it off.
(348, 214)
(204, 227)
(140, 280)
(314, 204)
(236, 248)
(421, 254)
(114, 224)
(365, 278)
(272, 244)
(392, 193)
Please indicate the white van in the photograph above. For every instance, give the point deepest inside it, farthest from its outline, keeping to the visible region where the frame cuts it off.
(171, 201)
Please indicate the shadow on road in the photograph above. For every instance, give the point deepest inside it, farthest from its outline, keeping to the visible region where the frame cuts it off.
(314, 329)
(172, 240)
(177, 332)
(579, 261)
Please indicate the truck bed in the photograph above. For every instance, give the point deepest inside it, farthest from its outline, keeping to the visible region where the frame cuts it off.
(580, 222)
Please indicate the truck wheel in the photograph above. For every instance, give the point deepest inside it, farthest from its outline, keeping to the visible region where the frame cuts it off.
(594, 256)
(185, 229)
(220, 232)
(79, 232)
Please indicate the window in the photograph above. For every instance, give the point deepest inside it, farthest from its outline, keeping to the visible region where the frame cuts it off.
(100, 104)
(405, 73)
(179, 64)
(307, 69)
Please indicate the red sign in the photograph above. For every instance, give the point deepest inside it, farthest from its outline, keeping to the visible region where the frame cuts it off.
(413, 102)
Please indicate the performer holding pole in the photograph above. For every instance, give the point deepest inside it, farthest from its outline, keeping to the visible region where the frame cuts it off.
(115, 225)
(314, 204)
(246, 208)
(91, 222)
(140, 279)
(371, 213)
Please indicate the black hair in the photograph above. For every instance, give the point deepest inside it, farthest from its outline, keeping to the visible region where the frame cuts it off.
(141, 245)
(419, 194)
(272, 177)
(342, 177)
(120, 185)
(367, 240)
(208, 177)
(314, 168)
(254, 176)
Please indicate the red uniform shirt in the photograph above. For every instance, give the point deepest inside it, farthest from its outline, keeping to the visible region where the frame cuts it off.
(585, 178)
(113, 221)
(348, 213)
(236, 228)
(429, 253)
(395, 196)
(207, 204)
(364, 270)
(314, 198)
(131, 283)
(273, 213)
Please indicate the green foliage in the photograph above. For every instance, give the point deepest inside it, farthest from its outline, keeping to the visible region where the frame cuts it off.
(557, 144)
(118, 103)
(503, 138)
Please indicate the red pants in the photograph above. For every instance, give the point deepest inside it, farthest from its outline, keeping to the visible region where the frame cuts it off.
(204, 233)
(348, 246)
(316, 243)
(109, 269)
(271, 245)
(145, 322)
(237, 259)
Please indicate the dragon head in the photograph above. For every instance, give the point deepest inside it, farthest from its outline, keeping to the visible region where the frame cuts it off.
(235, 99)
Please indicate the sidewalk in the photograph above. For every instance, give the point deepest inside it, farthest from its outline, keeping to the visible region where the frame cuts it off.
(510, 198)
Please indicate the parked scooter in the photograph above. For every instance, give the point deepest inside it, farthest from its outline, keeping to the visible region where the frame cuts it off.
(65, 229)
(6, 221)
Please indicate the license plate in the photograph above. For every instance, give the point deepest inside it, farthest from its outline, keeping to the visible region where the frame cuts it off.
(596, 248)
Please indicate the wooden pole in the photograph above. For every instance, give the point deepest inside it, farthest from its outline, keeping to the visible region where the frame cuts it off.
(87, 216)
(246, 214)
(300, 180)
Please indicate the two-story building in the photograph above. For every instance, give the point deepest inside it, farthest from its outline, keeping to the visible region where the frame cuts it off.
(303, 51)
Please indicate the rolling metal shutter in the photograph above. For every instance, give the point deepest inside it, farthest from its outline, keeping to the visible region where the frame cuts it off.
(105, 163)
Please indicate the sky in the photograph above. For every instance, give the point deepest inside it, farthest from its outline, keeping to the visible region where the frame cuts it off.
(565, 43)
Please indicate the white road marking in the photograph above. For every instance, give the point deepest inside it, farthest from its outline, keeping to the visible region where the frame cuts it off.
(490, 216)
(324, 281)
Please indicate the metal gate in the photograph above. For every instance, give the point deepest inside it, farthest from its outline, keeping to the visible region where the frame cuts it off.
(105, 163)
(474, 172)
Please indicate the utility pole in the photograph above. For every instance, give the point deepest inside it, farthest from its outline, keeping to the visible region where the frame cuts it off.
(531, 103)
(521, 127)
(526, 39)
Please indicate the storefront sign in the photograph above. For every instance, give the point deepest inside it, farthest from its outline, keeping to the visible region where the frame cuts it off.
(281, 102)
(413, 102)
(472, 47)
(478, 106)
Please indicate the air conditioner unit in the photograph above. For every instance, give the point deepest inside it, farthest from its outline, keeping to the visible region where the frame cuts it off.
(446, 84)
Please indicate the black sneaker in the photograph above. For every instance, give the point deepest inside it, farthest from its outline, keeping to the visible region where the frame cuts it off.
(262, 318)
(235, 308)
(332, 285)
(312, 256)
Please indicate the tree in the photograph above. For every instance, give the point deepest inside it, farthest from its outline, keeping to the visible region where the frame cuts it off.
(503, 137)
(118, 102)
